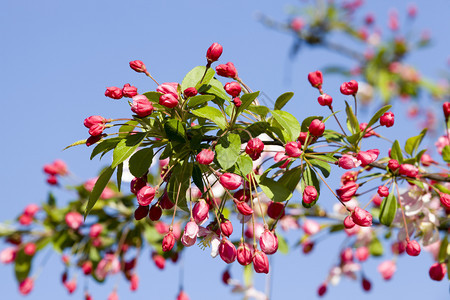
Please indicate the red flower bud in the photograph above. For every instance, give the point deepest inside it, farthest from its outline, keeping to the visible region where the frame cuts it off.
(114, 92)
(293, 149)
(29, 249)
(26, 286)
(205, 157)
(168, 100)
(200, 211)
(230, 181)
(322, 289)
(233, 89)
(138, 66)
(325, 100)
(244, 254)
(348, 162)
(227, 251)
(268, 242)
(168, 242)
(307, 246)
(362, 253)
(155, 212)
(369, 131)
(349, 88)
(348, 222)
(141, 106)
(316, 128)
(366, 284)
(134, 282)
(254, 148)
(165, 202)
(408, 170)
(316, 79)
(362, 217)
(445, 200)
(243, 208)
(393, 165)
(190, 234)
(95, 230)
(136, 184)
(438, 271)
(52, 180)
(387, 269)
(237, 102)
(387, 119)
(367, 157)
(309, 194)
(227, 70)
(427, 160)
(446, 109)
(413, 248)
(226, 227)
(88, 123)
(87, 267)
(129, 90)
(349, 176)
(297, 24)
(182, 296)
(190, 92)
(275, 210)
(74, 220)
(71, 286)
(141, 212)
(347, 255)
(226, 276)
(383, 191)
(145, 195)
(159, 260)
(214, 52)
(260, 262)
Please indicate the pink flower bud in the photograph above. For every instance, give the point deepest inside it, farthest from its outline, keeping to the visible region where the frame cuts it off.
(369, 131)
(376, 200)
(87, 267)
(347, 255)
(302, 137)
(446, 109)
(369, 19)
(244, 254)
(8, 255)
(165, 202)
(387, 119)
(138, 66)
(309, 194)
(348, 162)
(71, 286)
(280, 156)
(254, 148)
(438, 271)
(348, 222)
(155, 212)
(114, 92)
(349, 176)
(226, 276)
(349, 88)
(325, 100)
(367, 157)
(362, 217)
(190, 92)
(230, 181)
(316, 128)
(226, 228)
(310, 227)
(243, 208)
(200, 211)
(307, 246)
(237, 102)
(260, 262)
(136, 184)
(412, 10)
(227, 251)
(129, 90)
(26, 286)
(95, 230)
(362, 253)
(316, 79)
(205, 157)
(393, 165)
(293, 149)
(387, 269)
(408, 170)
(74, 220)
(413, 248)
(168, 242)
(427, 160)
(168, 100)
(88, 123)
(445, 200)
(383, 191)
(159, 260)
(145, 195)
(268, 242)
(275, 210)
(141, 212)
(182, 296)
(113, 296)
(134, 282)
(297, 24)
(29, 249)
(227, 70)
(31, 209)
(190, 234)
(141, 106)
(25, 220)
(322, 289)
(168, 88)
(233, 89)
(214, 52)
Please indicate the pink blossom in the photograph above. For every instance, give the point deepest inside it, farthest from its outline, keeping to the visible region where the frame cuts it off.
(310, 227)
(387, 269)
(8, 255)
(348, 162)
(74, 220)
(268, 242)
(190, 234)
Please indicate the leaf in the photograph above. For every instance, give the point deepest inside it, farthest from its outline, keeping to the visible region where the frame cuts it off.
(413, 143)
(261, 110)
(212, 114)
(244, 164)
(306, 122)
(446, 153)
(192, 79)
(255, 129)
(375, 247)
(273, 189)
(247, 99)
(310, 178)
(324, 167)
(282, 100)
(228, 149)
(396, 152)
(119, 175)
(351, 118)
(153, 97)
(442, 256)
(179, 183)
(22, 265)
(388, 209)
(99, 186)
(283, 247)
(51, 200)
(125, 129)
(105, 146)
(175, 131)
(377, 116)
(140, 162)
(126, 147)
(291, 179)
(197, 177)
(214, 87)
(288, 122)
(354, 138)
(199, 99)
(80, 142)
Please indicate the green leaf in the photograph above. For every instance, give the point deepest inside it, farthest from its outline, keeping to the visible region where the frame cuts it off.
(261, 110)
(388, 209)
(244, 164)
(442, 256)
(105, 146)
(283, 246)
(228, 149)
(215, 87)
(446, 153)
(282, 100)
(175, 131)
(247, 99)
(288, 122)
(22, 265)
(212, 114)
(126, 147)
(100, 185)
(324, 167)
(179, 183)
(273, 189)
(310, 178)
(119, 175)
(377, 116)
(197, 177)
(153, 96)
(306, 122)
(351, 119)
(413, 143)
(354, 138)
(140, 162)
(51, 200)
(80, 142)
(290, 179)
(192, 79)
(375, 247)
(199, 99)
(255, 129)
(396, 152)
(125, 129)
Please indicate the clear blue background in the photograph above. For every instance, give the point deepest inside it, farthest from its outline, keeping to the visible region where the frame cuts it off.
(57, 58)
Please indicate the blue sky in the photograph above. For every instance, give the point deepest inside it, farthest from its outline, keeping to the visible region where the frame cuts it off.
(57, 58)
